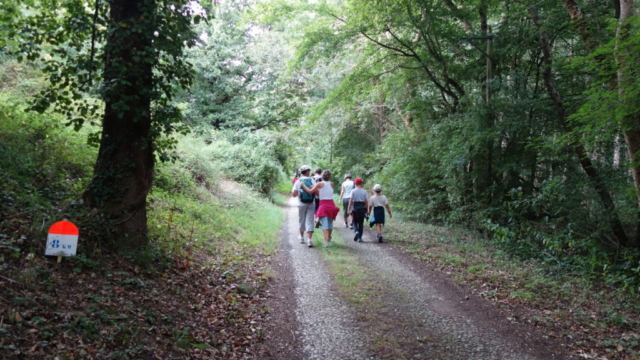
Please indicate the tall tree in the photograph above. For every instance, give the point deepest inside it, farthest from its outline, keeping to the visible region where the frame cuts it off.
(578, 148)
(124, 168)
(625, 64)
(129, 52)
(622, 83)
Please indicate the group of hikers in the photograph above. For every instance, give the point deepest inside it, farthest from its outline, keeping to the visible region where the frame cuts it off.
(316, 207)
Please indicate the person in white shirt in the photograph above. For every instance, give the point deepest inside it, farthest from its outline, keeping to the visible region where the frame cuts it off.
(345, 197)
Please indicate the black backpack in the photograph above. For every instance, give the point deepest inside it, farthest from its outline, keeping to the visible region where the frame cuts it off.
(304, 196)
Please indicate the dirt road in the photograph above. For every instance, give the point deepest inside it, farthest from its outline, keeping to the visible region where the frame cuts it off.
(419, 314)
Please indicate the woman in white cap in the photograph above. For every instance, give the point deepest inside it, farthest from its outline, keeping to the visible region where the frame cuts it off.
(378, 203)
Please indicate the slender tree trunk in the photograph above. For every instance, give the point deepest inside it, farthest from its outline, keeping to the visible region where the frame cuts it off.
(617, 152)
(123, 172)
(630, 122)
(623, 11)
(455, 11)
(580, 24)
(578, 148)
(484, 159)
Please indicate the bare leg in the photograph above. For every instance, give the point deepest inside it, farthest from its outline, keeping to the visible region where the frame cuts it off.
(327, 235)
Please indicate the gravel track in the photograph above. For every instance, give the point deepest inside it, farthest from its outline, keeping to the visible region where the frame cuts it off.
(327, 325)
(327, 328)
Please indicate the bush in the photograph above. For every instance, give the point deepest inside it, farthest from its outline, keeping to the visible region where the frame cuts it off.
(42, 163)
(246, 157)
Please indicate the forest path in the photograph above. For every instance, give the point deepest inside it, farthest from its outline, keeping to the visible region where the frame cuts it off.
(416, 314)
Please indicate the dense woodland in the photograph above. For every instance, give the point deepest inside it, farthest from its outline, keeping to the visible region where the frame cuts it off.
(518, 120)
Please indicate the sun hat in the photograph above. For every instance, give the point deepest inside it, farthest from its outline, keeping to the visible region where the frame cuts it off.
(358, 181)
(377, 188)
(304, 168)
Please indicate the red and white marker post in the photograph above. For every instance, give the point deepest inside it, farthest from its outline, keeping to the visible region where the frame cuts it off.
(62, 239)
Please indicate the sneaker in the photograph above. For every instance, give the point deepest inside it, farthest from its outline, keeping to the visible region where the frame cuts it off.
(356, 237)
(351, 226)
(309, 243)
(360, 239)
(346, 224)
(325, 244)
(301, 239)
(379, 238)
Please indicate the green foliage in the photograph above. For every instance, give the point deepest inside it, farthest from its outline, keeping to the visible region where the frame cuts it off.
(67, 39)
(240, 77)
(193, 207)
(34, 180)
(250, 158)
(609, 108)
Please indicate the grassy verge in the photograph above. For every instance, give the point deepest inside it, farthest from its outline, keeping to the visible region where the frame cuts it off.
(597, 321)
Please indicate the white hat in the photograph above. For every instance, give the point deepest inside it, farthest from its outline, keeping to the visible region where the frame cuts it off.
(377, 188)
(304, 168)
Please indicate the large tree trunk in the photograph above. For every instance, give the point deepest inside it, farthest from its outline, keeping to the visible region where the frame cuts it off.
(578, 148)
(123, 172)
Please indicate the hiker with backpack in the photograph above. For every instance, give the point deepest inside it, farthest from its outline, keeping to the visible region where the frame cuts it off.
(306, 205)
(358, 208)
(378, 203)
(327, 211)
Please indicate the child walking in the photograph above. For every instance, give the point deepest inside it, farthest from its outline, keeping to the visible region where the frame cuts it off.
(378, 203)
(358, 205)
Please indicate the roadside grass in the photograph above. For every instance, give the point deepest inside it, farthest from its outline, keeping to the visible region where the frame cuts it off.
(279, 199)
(237, 223)
(596, 320)
(354, 283)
